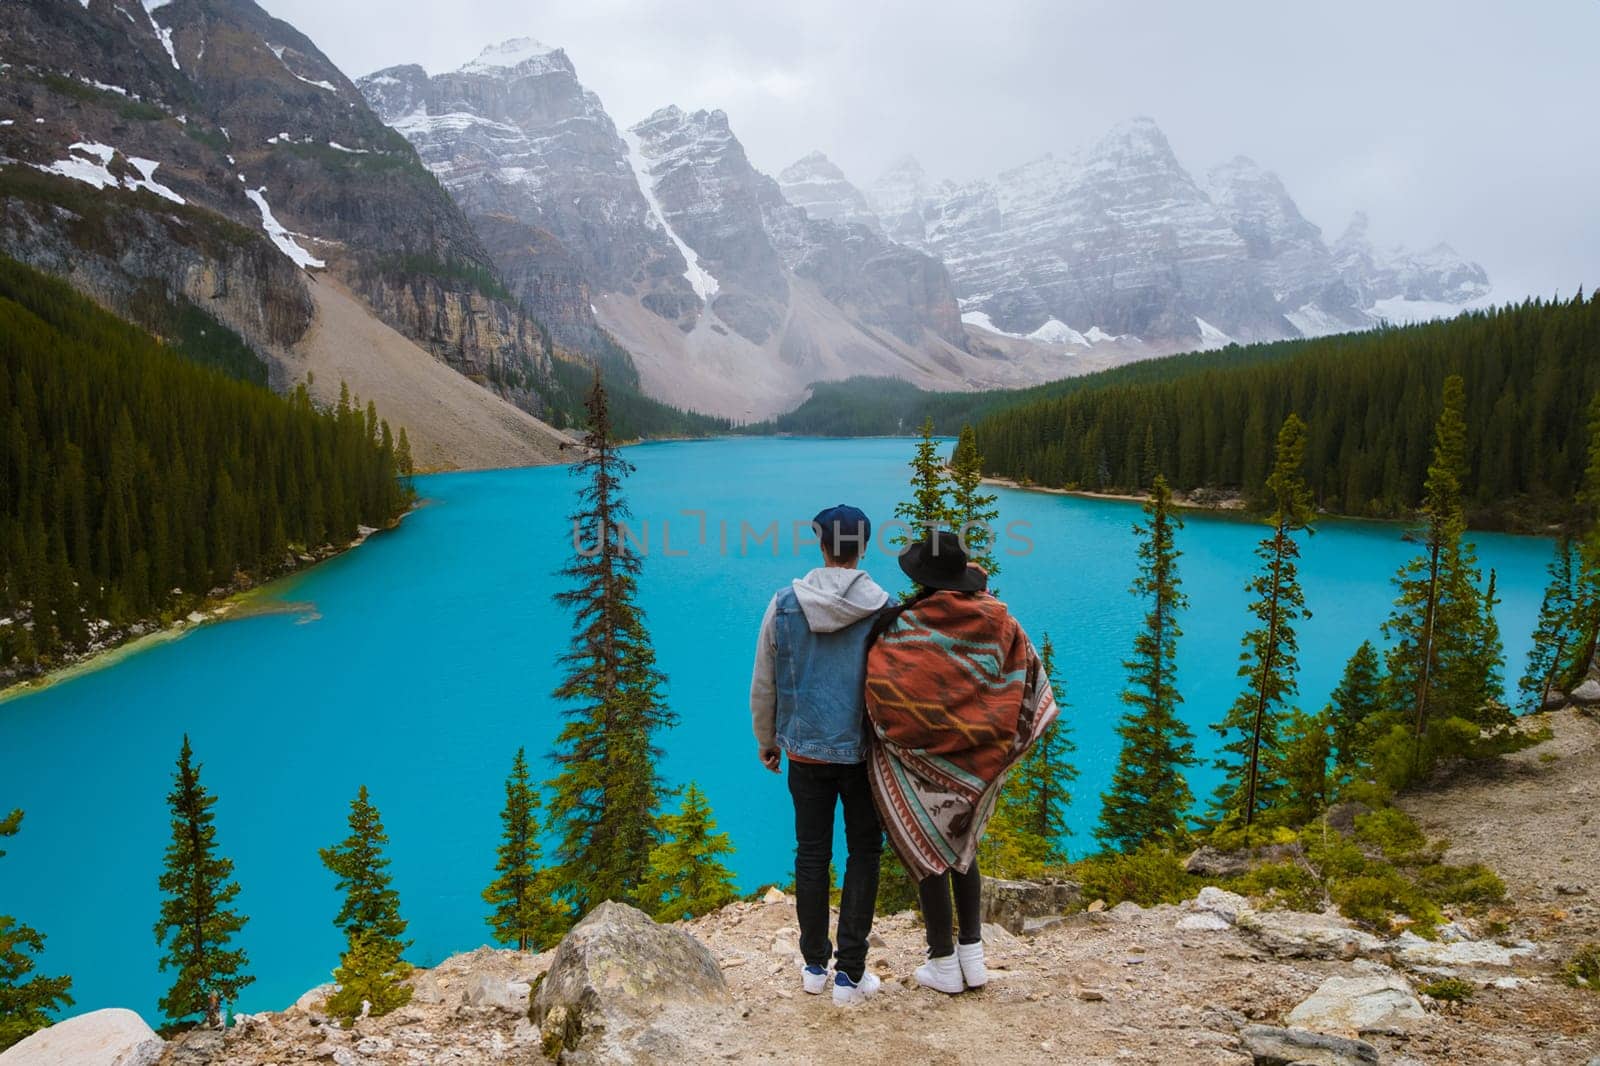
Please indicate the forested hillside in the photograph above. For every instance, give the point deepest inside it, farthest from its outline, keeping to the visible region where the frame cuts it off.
(1370, 400)
(133, 481)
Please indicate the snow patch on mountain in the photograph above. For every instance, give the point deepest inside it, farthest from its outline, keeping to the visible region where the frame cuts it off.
(983, 321)
(507, 55)
(278, 50)
(163, 34)
(92, 165)
(700, 279)
(1055, 331)
(279, 235)
(1211, 336)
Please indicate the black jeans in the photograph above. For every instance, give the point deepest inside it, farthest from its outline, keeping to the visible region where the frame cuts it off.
(817, 788)
(935, 894)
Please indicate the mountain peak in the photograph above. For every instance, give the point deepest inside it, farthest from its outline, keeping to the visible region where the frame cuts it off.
(508, 55)
(1138, 136)
(813, 165)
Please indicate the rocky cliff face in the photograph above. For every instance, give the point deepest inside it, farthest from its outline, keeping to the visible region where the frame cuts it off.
(523, 147)
(1121, 242)
(207, 138)
(821, 190)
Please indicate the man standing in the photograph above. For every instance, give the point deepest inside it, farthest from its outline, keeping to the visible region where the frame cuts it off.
(807, 699)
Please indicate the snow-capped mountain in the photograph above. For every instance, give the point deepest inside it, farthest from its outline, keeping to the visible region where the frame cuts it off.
(729, 298)
(819, 188)
(1121, 241)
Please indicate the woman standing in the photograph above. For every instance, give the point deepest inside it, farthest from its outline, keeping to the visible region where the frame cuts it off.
(956, 695)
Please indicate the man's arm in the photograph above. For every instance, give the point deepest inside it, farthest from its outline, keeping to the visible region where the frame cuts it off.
(763, 691)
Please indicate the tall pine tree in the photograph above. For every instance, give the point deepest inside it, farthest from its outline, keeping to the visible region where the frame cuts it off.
(1586, 606)
(928, 508)
(26, 998)
(1555, 634)
(524, 913)
(1149, 795)
(1039, 790)
(972, 511)
(606, 791)
(687, 875)
(371, 905)
(198, 921)
(1435, 620)
(1252, 755)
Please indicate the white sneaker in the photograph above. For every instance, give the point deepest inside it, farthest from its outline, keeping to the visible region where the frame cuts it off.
(814, 979)
(847, 993)
(942, 975)
(973, 971)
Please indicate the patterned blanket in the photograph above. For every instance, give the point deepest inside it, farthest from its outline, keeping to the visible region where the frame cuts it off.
(956, 695)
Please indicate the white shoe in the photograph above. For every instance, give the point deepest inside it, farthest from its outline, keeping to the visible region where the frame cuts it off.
(973, 971)
(814, 979)
(942, 975)
(847, 993)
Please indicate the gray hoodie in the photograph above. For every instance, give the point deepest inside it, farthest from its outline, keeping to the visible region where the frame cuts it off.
(831, 598)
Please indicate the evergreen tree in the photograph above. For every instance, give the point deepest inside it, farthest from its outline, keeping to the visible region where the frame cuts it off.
(26, 999)
(133, 481)
(371, 906)
(1149, 795)
(606, 792)
(1039, 790)
(687, 875)
(198, 921)
(1435, 620)
(1556, 632)
(524, 913)
(973, 511)
(1490, 660)
(1307, 747)
(1252, 756)
(928, 507)
(371, 978)
(1354, 709)
(1587, 518)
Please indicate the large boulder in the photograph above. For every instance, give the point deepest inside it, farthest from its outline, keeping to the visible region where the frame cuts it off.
(1379, 1001)
(110, 1037)
(616, 972)
(1010, 904)
(1296, 934)
(1270, 1046)
(1413, 950)
(1587, 693)
(1206, 861)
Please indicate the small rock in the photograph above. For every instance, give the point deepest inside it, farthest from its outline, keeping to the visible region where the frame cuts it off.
(1571, 890)
(774, 895)
(1415, 951)
(374, 1045)
(1035, 926)
(311, 1000)
(424, 988)
(1294, 934)
(1091, 995)
(875, 940)
(1096, 907)
(1272, 1046)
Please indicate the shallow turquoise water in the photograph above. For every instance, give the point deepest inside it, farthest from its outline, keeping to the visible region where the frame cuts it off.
(430, 657)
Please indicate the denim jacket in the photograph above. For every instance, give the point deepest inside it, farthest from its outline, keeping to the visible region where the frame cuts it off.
(806, 693)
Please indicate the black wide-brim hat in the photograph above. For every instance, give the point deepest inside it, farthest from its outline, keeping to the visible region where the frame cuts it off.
(940, 562)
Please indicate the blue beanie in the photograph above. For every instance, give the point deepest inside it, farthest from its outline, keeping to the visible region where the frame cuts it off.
(842, 528)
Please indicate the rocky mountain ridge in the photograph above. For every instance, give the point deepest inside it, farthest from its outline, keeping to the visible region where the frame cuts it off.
(202, 154)
(1120, 241)
(729, 298)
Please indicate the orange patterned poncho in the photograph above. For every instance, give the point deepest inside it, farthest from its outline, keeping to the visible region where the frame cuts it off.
(956, 695)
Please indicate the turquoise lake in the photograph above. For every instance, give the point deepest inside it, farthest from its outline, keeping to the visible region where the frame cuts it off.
(428, 656)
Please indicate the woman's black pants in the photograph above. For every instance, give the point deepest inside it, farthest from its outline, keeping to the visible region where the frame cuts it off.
(935, 893)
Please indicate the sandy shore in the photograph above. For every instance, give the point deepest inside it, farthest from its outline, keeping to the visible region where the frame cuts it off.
(1227, 503)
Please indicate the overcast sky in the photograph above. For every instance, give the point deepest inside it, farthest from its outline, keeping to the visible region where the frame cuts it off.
(1466, 121)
